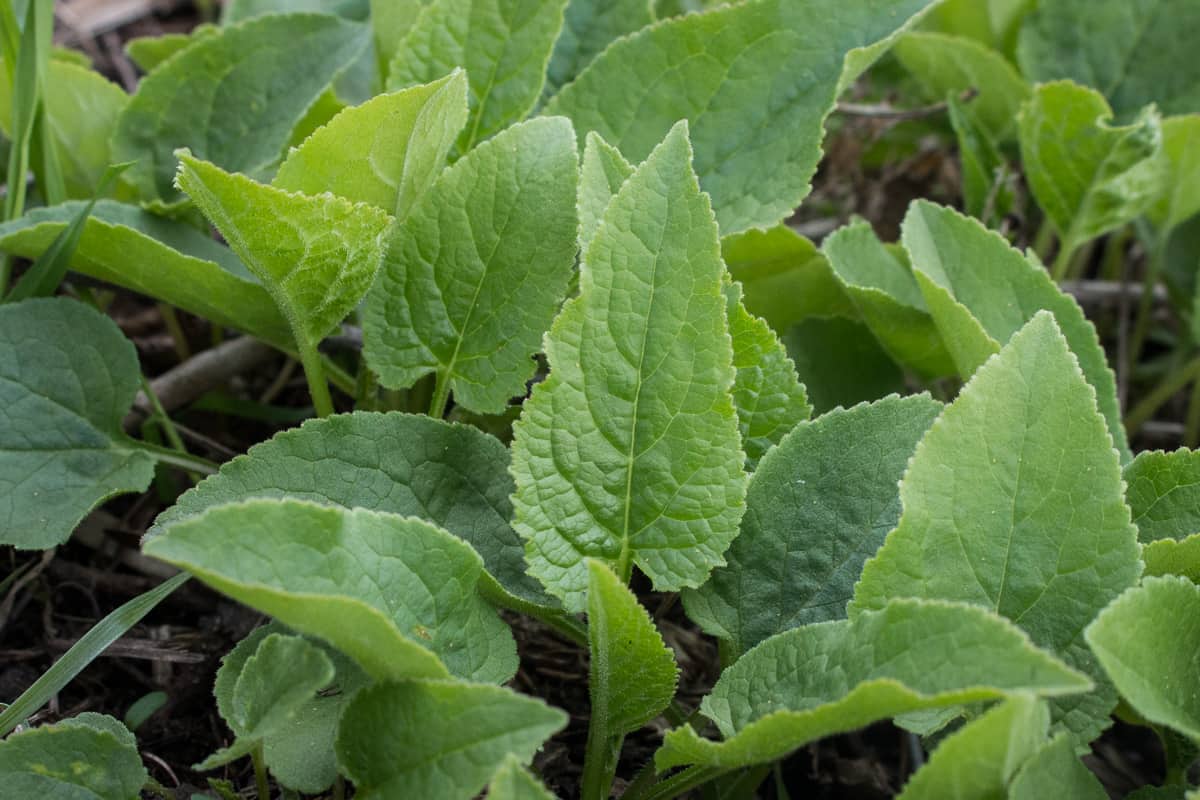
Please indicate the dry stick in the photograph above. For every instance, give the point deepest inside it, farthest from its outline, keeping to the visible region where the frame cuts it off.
(884, 111)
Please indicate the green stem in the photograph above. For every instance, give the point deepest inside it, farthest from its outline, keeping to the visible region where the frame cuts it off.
(600, 759)
(1062, 261)
(1152, 402)
(679, 783)
(339, 788)
(185, 461)
(1146, 303)
(314, 373)
(441, 396)
(260, 773)
(1043, 238)
(160, 416)
(567, 625)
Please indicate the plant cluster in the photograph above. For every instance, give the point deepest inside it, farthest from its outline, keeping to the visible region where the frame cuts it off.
(973, 551)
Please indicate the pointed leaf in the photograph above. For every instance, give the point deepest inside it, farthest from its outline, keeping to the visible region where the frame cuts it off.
(1147, 641)
(603, 172)
(1013, 501)
(513, 782)
(987, 178)
(755, 80)
(316, 256)
(629, 452)
(414, 613)
(67, 378)
(232, 98)
(1181, 200)
(386, 152)
(1055, 771)
(819, 505)
(454, 476)
(85, 757)
(835, 677)
(438, 739)
(504, 45)
(474, 277)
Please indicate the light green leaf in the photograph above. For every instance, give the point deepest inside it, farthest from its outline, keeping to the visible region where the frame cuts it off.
(391, 20)
(67, 378)
(978, 760)
(1135, 53)
(755, 81)
(835, 677)
(841, 363)
(438, 739)
(513, 782)
(1087, 175)
(992, 22)
(1181, 200)
(603, 172)
(629, 452)
(888, 299)
(415, 613)
(1013, 501)
(504, 45)
(147, 52)
(386, 152)
(954, 65)
(316, 256)
(1055, 771)
(233, 97)
(82, 758)
(1147, 641)
(1171, 557)
(589, 26)
(784, 277)
(238, 10)
(819, 505)
(476, 274)
(454, 476)
(1163, 492)
(965, 270)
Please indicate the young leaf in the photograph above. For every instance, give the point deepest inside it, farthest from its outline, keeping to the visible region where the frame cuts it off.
(601, 176)
(391, 21)
(589, 26)
(1055, 771)
(629, 452)
(169, 261)
(835, 677)
(504, 45)
(415, 613)
(888, 299)
(67, 378)
(438, 739)
(981, 758)
(83, 758)
(474, 277)
(1181, 200)
(147, 52)
(818, 506)
(454, 476)
(233, 97)
(1088, 176)
(982, 291)
(1147, 641)
(840, 363)
(513, 782)
(1013, 501)
(755, 80)
(386, 152)
(1136, 53)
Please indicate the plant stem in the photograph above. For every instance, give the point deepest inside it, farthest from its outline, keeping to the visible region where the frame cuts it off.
(1146, 303)
(567, 625)
(185, 461)
(1173, 382)
(339, 788)
(600, 759)
(314, 373)
(1062, 261)
(678, 783)
(441, 396)
(260, 773)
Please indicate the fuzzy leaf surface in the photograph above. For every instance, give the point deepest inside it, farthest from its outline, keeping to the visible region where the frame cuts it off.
(1055, 771)
(601, 175)
(629, 452)
(438, 739)
(1163, 492)
(589, 26)
(834, 677)
(67, 378)
(818, 506)
(755, 81)
(414, 612)
(513, 782)
(82, 758)
(473, 278)
(1013, 501)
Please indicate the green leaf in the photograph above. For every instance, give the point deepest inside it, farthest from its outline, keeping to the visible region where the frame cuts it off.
(238, 10)
(835, 677)
(386, 152)
(784, 277)
(476, 274)
(1013, 501)
(1147, 641)
(629, 452)
(819, 505)
(1087, 175)
(1135, 53)
(1171, 557)
(391, 21)
(233, 98)
(986, 175)
(513, 782)
(841, 363)
(981, 758)
(755, 81)
(946, 65)
(887, 298)
(1163, 492)
(88, 756)
(601, 176)
(982, 291)
(504, 45)
(454, 476)
(415, 613)
(589, 26)
(67, 378)
(1055, 771)
(167, 260)
(147, 52)
(1181, 200)
(438, 739)
(316, 256)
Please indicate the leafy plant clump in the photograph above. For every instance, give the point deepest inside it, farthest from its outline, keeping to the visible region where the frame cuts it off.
(582, 358)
